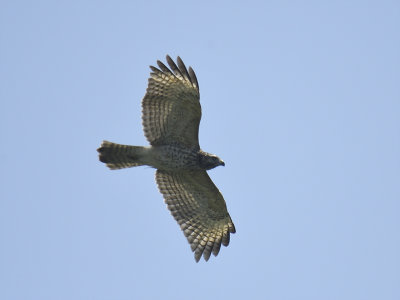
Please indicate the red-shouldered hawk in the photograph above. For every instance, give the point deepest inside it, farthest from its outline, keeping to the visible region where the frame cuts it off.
(171, 117)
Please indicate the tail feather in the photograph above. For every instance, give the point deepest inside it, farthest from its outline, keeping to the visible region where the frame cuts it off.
(118, 156)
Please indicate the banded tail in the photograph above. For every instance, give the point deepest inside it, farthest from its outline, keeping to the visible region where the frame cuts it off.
(118, 156)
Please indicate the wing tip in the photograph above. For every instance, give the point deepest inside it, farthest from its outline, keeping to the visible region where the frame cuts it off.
(177, 69)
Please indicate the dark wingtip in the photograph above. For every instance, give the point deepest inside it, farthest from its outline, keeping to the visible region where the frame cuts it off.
(163, 67)
(174, 67)
(207, 256)
(170, 61)
(183, 69)
(232, 228)
(154, 69)
(178, 69)
(193, 77)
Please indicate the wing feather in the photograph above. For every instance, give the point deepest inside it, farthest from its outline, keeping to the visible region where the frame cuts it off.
(193, 78)
(199, 208)
(174, 67)
(164, 68)
(171, 110)
(183, 69)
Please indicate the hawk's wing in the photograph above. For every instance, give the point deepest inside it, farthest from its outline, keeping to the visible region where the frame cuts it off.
(171, 107)
(199, 208)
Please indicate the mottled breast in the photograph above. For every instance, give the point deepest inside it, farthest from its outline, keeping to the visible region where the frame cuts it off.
(173, 157)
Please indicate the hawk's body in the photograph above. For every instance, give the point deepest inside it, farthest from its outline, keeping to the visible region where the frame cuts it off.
(171, 118)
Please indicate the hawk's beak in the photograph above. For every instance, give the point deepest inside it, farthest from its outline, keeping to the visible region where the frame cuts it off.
(222, 163)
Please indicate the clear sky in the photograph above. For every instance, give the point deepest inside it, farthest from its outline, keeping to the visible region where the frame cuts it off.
(301, 99)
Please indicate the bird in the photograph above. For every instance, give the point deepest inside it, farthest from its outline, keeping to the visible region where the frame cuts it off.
(171, 114)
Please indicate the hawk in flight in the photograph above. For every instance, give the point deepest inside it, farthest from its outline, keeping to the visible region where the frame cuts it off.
(171, 114)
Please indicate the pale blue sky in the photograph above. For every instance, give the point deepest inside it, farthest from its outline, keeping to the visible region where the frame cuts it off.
(301, 99)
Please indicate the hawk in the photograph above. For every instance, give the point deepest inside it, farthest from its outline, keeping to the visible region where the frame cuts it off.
(171, 114)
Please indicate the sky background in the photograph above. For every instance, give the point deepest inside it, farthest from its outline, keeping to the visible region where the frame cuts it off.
(301, 99)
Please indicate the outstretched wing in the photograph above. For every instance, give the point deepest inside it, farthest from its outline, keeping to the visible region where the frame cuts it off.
(199, 208)
(171, 110)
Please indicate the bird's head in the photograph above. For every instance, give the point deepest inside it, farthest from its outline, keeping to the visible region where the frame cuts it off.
(209, 161)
